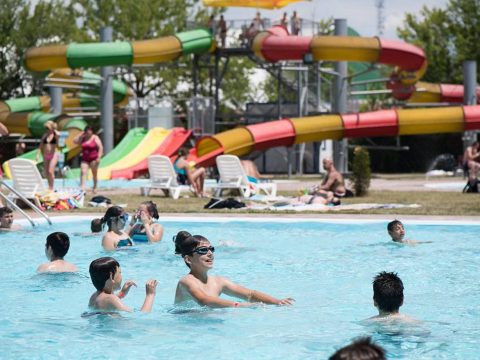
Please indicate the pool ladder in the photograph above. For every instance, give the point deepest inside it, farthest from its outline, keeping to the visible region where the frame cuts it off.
(26, 201)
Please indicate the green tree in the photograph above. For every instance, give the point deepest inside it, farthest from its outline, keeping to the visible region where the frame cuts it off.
(23, 26)
(449, 36)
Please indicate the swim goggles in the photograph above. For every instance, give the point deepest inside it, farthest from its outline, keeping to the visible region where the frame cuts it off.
(203, 250)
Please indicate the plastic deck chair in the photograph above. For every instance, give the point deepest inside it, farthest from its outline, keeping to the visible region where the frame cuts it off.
(163, 177)
(26, 179)
(232, 176)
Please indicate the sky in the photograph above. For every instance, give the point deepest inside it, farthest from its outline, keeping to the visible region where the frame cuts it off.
(360, 14)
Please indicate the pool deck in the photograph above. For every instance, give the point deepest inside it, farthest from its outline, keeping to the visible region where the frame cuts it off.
(399, 183)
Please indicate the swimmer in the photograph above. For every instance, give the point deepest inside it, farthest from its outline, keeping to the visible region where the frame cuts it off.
(95, 228)
(198, 286)
(143, 227)
(56, 248)
(388, 298)
(106, 276)
(6, 220)
(115, 218)
(396, 231)
(360, 349)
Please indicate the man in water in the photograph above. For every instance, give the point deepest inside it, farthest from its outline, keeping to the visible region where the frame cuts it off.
(6, 220)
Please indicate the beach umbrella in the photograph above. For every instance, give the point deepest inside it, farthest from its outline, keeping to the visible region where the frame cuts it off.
(264, 4)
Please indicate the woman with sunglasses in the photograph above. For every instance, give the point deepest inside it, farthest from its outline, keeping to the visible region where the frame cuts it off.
(197, 252)
(115, 218)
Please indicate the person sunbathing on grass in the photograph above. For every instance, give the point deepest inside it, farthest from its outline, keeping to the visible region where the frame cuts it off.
(197, 285)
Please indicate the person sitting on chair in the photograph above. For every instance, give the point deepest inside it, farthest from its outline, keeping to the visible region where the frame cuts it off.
(188, 174)
(333, 182)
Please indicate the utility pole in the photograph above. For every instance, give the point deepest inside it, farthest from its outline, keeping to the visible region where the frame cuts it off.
(380, 5)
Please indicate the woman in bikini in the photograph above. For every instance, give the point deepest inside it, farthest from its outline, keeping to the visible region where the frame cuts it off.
(143, 227)
(92, 151)
(189, 174)
(48, 149)
(115, 218)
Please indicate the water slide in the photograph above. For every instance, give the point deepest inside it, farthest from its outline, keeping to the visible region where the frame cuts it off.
(156, 141)
(410, 64)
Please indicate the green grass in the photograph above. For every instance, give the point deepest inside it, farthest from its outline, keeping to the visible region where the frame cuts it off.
(432, 203)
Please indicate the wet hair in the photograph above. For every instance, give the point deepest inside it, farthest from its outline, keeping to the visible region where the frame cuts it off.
(112, 213)
(388, 291)
(360, 349)
(5, 210)
(178, 239)
(151, 208)
(96, 225)
(393, 224)
(59, 242)
(187, 245)
(101, 270)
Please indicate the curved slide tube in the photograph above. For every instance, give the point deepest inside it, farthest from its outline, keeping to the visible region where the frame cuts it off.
(288, 132)
(120, 52)
(410, 63)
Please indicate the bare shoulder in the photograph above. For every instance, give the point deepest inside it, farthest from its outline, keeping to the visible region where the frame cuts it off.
(42, 268)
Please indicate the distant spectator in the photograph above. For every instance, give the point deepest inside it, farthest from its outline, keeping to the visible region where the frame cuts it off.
(20, 148)
(251, 32)
(361, 349)
(258, 22)
(295, 24)
(470, 161)
(222, 26)
(212, 25)
(284, 20)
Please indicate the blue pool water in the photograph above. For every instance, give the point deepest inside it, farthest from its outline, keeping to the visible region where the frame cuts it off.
(326, 267)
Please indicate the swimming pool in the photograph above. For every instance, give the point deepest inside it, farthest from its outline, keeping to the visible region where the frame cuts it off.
(326, 266)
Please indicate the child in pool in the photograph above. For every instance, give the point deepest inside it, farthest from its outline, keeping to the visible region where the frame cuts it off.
(197, 253)
(115, 218)
(360, 349)
(388, 298)
(143, 227)
(106, 276)
(396, 230)
(56, 248)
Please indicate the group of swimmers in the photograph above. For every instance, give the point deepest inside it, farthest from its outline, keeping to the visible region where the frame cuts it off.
(197, 287)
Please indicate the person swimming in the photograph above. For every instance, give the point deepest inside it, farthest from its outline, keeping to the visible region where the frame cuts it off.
(56, 247)
(197, 285)
(106, 276)
(143, 227)
(115, 218)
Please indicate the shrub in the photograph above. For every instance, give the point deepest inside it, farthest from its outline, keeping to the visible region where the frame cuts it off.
(361, 171)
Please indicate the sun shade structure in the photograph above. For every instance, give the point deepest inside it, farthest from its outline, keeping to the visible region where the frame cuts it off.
(264, 4)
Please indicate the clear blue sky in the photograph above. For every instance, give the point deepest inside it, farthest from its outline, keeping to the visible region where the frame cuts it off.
(360, 14)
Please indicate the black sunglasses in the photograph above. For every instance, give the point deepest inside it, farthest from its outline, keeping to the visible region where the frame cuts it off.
(203, 250)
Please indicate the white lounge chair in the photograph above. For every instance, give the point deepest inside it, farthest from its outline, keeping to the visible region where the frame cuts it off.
(163, 177)
(232, 176)
(26, 179)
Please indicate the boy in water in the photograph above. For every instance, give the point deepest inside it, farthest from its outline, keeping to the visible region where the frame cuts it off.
(106, 276)
(6, 220)
(361, 349)
(396, 231)
(197, 252)
(56, 248)
(388, 297)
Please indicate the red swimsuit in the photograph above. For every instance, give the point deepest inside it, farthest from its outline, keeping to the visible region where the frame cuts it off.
(89, 150)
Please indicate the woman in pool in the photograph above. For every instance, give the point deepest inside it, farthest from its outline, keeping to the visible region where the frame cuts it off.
(143, 227)
(115, 218)
(48, 149)
(198, 286)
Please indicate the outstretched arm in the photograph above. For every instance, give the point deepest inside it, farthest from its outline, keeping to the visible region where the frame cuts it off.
(150, 288)
(211, 301)
(232, 289)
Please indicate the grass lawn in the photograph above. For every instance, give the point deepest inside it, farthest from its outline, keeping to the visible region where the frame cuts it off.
(432, 203)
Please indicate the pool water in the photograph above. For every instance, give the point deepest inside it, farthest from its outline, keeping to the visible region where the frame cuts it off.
(327, 267)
